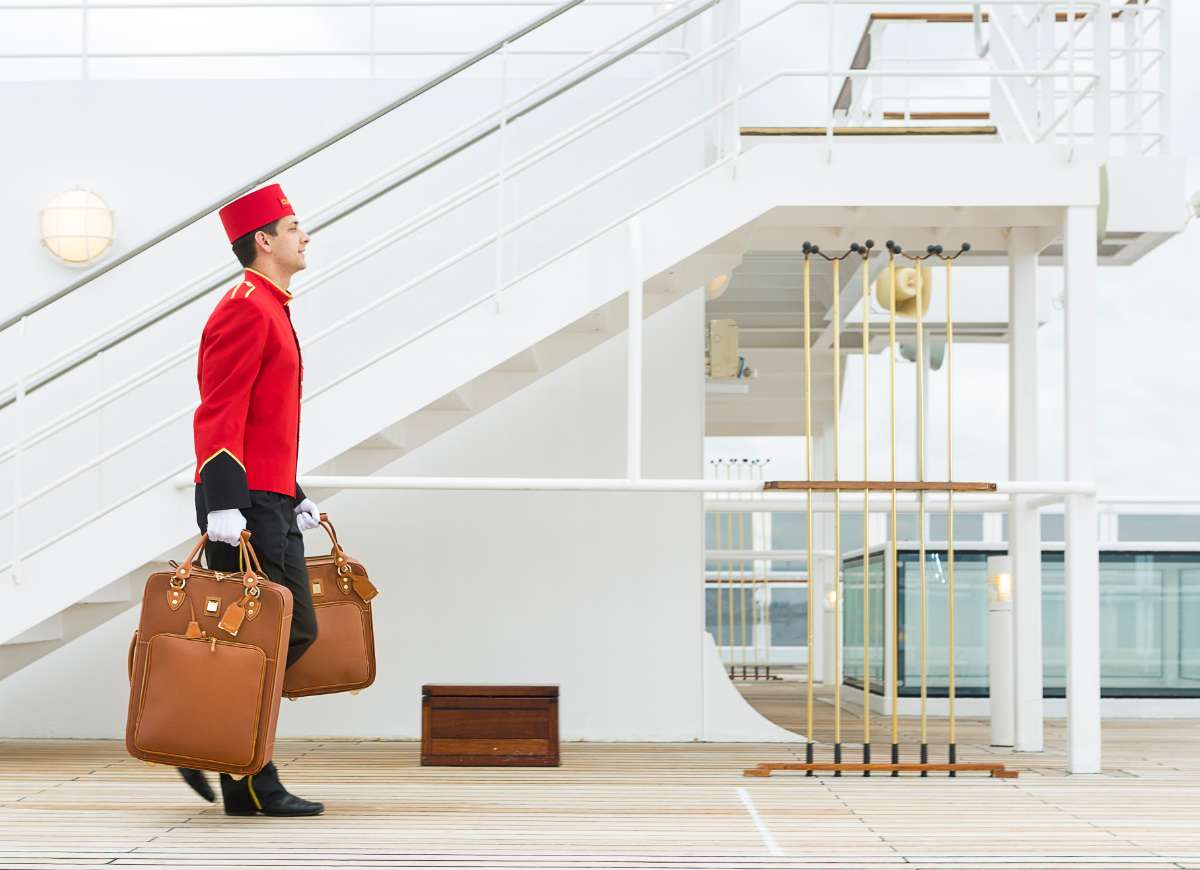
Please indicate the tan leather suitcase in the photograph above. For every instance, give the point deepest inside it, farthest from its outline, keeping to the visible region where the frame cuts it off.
(206, 666)
(342, 658)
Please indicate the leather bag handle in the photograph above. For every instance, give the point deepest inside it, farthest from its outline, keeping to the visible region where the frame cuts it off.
(245, 550)
(327, 525)
(337, 552)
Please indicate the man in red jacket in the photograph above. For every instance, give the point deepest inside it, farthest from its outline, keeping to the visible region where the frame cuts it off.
(247, 429)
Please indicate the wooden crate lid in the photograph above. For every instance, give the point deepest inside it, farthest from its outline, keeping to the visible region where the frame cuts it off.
(489, 691)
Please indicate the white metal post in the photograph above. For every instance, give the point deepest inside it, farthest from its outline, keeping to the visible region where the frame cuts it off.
(1164, 75)
(822, 574)
(1071, 105)
(18, 447)
(1102, 62)
(727, 22)
(633, 439)
(1082, 553)
(1133, 58)
(83, 39)
(1046, 49)
(371, 40)
(1000, 650)
(1024, 534)
(502, 136)
(829, 98)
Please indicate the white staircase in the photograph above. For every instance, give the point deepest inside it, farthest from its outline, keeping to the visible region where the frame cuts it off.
(450, 326)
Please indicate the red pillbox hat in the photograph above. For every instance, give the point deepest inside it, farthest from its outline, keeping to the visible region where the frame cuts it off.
(255, 209)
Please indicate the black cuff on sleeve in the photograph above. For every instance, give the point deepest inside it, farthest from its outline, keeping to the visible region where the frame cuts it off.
(223, 482)
(300, 496)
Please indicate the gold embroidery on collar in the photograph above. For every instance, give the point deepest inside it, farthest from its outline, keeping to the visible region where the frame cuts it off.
(272, 283)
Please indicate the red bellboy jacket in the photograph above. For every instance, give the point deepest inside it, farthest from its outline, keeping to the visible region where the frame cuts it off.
(247, 428)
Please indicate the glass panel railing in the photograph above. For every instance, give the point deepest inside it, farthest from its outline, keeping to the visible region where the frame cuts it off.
(852, 622)
(970, 622)
(1149, 622)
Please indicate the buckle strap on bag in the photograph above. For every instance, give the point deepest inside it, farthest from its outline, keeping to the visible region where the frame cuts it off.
(363, 587)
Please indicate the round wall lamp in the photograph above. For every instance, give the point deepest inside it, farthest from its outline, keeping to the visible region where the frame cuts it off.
(77, 227)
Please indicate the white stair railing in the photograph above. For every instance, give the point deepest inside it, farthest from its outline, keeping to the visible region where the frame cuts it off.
(1079, 84)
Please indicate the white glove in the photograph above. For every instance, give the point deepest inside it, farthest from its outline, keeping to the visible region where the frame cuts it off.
(307, 515)
(226, 526)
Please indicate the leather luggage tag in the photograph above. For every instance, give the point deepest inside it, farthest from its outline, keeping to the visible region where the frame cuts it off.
(365, 589)
(234, 615)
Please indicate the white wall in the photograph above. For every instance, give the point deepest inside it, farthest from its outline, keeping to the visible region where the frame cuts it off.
(600, 593)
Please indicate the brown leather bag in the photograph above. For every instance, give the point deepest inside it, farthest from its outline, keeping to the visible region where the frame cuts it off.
(206, 666)
(342, 658)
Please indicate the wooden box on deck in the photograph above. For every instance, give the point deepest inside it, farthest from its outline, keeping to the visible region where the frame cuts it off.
(515, 726)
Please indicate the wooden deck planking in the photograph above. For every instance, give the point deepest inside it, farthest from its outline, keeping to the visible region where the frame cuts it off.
(645, 806)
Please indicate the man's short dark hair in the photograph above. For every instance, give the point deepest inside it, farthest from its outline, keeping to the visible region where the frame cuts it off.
(245, 249)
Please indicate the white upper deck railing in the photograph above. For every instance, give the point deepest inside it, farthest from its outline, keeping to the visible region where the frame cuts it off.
(1055, 36)
(148, 40)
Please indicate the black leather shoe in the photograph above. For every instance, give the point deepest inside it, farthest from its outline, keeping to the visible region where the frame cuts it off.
(199, 783)
(262, 792)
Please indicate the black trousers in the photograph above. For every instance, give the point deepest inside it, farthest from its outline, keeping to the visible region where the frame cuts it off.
(279, 544)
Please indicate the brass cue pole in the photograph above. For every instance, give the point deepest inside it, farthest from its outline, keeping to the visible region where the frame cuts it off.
(952, 749)
(921, 504)
(866, 555)
(808, 472)
(741, 517)
(837, 517)
(895, 571)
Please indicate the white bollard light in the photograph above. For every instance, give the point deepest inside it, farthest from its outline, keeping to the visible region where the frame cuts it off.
(1000, 650)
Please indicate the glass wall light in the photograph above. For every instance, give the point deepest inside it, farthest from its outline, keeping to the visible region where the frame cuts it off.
(77, 227)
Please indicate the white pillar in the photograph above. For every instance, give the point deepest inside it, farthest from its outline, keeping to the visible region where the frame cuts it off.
(1000, 652)
(633, 421)
(1024, 534)
(726, 72)
(830, 659)
(822, 570)
(1082, 553)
